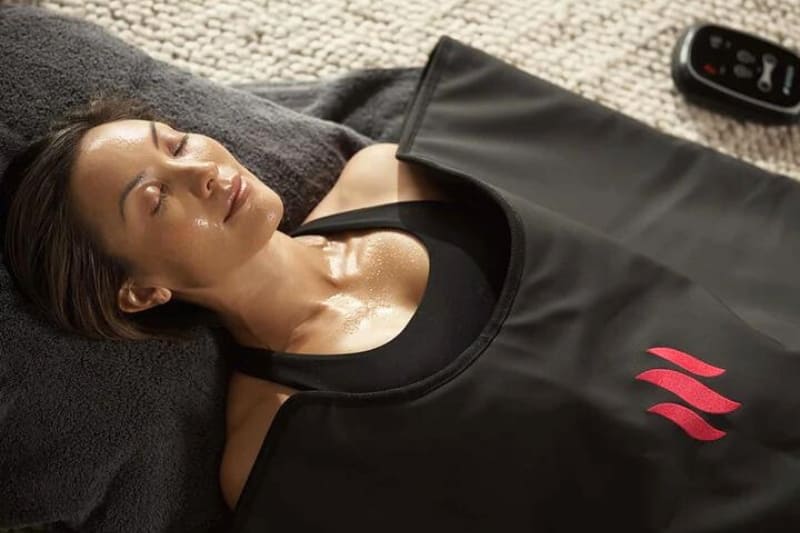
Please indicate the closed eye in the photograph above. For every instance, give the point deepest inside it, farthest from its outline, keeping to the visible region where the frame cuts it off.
(161, 199)
(181, 145)
(162, 196)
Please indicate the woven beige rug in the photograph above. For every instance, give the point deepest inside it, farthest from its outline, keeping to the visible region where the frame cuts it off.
(613, 51)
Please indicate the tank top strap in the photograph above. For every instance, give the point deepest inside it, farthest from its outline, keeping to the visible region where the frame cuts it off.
(374, 216)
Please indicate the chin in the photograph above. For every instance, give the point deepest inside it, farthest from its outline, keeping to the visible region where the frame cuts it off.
(275, 211)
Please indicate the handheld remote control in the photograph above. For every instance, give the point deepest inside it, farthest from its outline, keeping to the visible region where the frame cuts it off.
(737, 73)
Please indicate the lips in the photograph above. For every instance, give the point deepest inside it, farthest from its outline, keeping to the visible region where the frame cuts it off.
(238, 188)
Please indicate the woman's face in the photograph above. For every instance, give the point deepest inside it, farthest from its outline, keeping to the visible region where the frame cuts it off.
(170, 223)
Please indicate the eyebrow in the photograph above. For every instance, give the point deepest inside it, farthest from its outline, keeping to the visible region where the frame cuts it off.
(138, 178)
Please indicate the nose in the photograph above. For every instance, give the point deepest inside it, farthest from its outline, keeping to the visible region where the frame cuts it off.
(201, 176)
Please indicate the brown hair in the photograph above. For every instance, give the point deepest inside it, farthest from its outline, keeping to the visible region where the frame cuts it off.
(55, 259)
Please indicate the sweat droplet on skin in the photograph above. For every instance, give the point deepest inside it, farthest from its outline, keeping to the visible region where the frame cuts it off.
(336, 261)
(385, 256)
(351, 263)
(354, 311)
(362, 319)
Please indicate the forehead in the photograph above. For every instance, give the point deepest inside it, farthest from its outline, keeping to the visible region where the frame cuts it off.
(111, 145)
(108, 156)
(111, 154)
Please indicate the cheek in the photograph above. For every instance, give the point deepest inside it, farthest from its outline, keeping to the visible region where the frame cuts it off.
(195, 252)
(198, 241)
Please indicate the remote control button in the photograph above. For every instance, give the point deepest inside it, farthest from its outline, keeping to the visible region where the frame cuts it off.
(745, 56)
(715, 41)
(742, 71)
(765, 81)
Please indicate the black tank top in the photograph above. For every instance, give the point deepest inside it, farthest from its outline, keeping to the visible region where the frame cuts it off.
(467, 263)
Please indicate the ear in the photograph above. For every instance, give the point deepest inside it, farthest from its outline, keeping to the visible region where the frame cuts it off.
(133, 299)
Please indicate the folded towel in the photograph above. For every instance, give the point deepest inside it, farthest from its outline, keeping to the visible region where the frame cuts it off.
(107, 436)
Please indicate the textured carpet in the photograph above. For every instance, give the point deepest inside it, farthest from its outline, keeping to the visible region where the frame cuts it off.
(615, 52)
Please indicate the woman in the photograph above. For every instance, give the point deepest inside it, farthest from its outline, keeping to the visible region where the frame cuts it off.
(590, 385)
(146, 214)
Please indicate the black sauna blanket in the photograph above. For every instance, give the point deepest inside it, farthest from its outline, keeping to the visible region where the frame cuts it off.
(639, 373)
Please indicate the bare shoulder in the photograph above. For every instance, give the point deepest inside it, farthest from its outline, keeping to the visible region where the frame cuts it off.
(375, 173)
(375, 176)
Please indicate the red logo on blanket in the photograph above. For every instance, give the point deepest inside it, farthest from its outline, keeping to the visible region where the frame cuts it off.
(691, 391)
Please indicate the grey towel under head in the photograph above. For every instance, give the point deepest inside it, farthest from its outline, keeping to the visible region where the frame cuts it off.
(105, 436)
(51, 62)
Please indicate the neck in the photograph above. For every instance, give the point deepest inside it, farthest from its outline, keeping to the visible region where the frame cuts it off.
(285, 285)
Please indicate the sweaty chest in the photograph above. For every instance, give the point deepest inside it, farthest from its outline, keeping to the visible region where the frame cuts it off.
(391, 263)
(388, 270)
